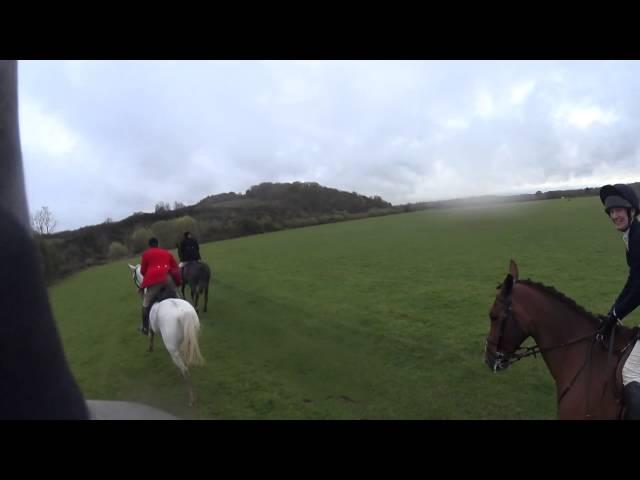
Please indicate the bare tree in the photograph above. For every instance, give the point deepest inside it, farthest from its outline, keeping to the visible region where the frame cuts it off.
(163, 207)
(43, 221)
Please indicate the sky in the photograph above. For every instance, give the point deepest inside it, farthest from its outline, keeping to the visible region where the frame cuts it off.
(105, 139)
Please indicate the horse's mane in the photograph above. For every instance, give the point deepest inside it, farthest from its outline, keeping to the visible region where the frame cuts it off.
(560, 296)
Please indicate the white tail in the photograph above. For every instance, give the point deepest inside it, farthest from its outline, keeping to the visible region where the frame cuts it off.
(190, 350)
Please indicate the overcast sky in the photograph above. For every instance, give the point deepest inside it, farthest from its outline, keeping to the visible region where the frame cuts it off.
(108, 138)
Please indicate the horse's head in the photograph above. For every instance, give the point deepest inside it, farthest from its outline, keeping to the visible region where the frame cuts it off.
(505, 334)
(136, 275)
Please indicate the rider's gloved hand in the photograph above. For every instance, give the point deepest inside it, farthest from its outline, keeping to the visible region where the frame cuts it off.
(608, 323)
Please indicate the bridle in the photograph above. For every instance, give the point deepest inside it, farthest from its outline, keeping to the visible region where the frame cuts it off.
(503, 360)
(135, 279)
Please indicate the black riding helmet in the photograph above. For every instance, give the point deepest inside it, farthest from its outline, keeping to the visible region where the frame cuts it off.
(619, 196)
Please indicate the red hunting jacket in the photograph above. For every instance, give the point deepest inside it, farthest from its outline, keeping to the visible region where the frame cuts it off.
(156, 264)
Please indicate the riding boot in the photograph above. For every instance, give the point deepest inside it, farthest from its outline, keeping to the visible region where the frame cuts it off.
(632, 401)
(145, 320)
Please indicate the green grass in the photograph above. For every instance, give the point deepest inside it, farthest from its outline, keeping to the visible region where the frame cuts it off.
(383, 318)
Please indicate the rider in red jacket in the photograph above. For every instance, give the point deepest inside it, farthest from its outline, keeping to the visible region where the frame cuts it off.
(160, 271)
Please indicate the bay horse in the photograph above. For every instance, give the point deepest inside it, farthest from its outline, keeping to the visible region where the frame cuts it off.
(585, 367)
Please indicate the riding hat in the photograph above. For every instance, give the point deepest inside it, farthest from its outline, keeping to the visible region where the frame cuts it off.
(619, 196)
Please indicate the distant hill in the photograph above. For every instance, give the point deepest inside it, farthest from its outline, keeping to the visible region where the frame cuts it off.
(262, 208)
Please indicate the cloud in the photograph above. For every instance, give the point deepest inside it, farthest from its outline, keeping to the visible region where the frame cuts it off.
(44, 133)
(521, 91)
(584, 117)
(107, 138)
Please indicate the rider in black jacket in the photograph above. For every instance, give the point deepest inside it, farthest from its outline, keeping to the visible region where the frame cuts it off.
(622, 206)
(189, 250)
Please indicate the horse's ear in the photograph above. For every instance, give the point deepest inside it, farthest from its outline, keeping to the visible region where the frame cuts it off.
(513, 270)
(507, 285)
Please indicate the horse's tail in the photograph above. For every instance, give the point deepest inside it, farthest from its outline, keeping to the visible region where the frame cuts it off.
(190, 348)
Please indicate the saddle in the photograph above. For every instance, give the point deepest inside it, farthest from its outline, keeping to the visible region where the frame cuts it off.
(164, 294)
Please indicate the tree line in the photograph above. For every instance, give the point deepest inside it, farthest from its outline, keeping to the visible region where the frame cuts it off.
(267, 207)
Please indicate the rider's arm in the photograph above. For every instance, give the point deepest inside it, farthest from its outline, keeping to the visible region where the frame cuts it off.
(36, 382)
(144, 264)
(623, 294)
(629, 298)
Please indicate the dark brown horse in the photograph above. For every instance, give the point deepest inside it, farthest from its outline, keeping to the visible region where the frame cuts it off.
(585, 367)
(197, 275)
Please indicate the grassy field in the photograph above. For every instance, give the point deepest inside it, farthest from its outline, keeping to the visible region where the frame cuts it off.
(383, 318)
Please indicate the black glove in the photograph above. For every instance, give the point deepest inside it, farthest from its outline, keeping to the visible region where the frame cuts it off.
(608, 323)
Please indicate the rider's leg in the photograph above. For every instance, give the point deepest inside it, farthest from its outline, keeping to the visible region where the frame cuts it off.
(147, 302)
(181, 290)
(631, 382)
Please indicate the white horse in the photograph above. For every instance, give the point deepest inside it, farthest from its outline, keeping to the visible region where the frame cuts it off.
(177, 323)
